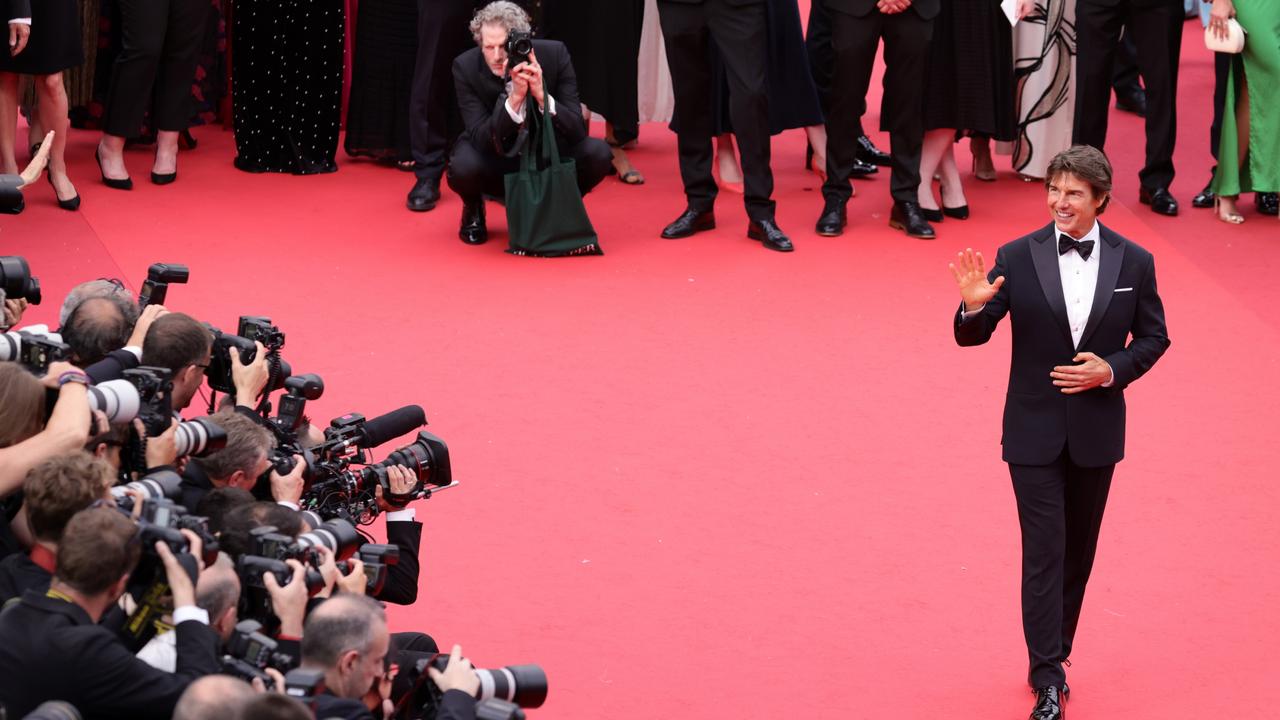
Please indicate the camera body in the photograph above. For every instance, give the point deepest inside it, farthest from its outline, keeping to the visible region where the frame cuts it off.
(249, 652)
(519, 47)
(155, 390)
(501, 694)
(250, 331)
(34, 348)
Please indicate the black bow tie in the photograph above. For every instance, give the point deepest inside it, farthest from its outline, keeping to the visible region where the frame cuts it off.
(1066, 243)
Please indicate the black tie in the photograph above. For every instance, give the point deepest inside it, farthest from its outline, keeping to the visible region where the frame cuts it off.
(1066, 243)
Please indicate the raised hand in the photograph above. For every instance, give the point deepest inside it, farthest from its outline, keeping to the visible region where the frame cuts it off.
(970, 271)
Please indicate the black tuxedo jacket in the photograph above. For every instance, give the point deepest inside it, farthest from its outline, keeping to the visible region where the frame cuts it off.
(17, 9)
(482, 98)
(401, 586)
(1038, 418)
(926, 9)
(53, 651)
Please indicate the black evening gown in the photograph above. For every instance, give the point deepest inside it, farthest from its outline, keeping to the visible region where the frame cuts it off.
(287, 84)
(54, 44)
(793, 97)
(604, 43)
(969, 80)
(386, 48)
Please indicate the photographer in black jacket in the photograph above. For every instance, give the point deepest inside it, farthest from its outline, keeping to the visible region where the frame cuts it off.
(54, 648)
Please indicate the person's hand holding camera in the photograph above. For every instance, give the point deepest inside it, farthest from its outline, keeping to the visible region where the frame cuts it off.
(181, 585)
(140, 328)
(162, 451)
(402, 482)
(457, 675)
(519, 88)
(328, 569)
(288, 488)
(354, 581)
(531, 71)
(13, 309)
(289, 603)
(249, 379)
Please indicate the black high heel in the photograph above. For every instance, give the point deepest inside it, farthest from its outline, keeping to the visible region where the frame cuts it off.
(163, 178)
(931, 215)
(125, 184)
(72, 204)
(959, 213)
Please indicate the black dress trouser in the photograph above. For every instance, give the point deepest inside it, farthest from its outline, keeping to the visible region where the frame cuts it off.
(1157, 34)
(906, 52)
(475, 173)
(817, 43)
(433, 104)
(160, 49)
(739, 33)
(1060, 509)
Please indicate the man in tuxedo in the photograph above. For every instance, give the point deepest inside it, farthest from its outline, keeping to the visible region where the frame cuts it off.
(856, 29)
(1155, 27)
(1077, 292)
(737, 27)
(496, 101)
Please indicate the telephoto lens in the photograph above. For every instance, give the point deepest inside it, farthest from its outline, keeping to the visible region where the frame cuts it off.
(156, 486)
(118, 399)
(338, 535)
(199, 437)
(16, 281)
(523, 685)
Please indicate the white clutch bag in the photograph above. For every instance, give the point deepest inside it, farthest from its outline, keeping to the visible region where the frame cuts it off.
(1232, 44)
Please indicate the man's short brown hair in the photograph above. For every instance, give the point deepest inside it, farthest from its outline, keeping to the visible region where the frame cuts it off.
(60, 487)
(175, 341)
(1087, 163)
(99, 546)
(247, 443)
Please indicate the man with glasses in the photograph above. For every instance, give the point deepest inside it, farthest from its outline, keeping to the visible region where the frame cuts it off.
(346, 637)
(180, 344)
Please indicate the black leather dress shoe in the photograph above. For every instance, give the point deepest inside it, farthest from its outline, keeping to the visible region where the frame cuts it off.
(862, 169)
(690, 222)
(424, 195)
(1160, 200)
(1048, 704)
(907, 217)
(1132, 101)
(869, 153)
(1268, 203)
(833, 219)
(1204, 199)
(473, 231)
(768, 232)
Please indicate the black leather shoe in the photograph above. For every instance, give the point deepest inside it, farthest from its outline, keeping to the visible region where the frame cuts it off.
(959, 213)
(869, 153)
(1160, 200)
(907, 217)
(862, 169)
(163, 178)
(932, 215)
(1268, 203)
(1204, 199)
(1132, 101)
(125, 184)
(690, 222)
(424, 195)
(833, 219)
(472, 231)
(768, 232)
(1048, 704)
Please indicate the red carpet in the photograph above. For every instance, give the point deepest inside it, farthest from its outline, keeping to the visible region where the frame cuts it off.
(721, 482)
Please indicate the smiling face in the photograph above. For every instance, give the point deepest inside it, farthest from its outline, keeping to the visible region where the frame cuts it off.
(1072, 204)
(493, 43)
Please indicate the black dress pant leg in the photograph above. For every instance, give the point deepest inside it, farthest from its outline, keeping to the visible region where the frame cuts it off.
(740, 33)
(817, 41)
(1157, 33)
(1087, 490)
(1098, 30)
(593, 161)
(171, 110)
(1124, 79)
(906, 57)
(474, 173)
(142, 27)
(687, 40)
(433, 104)
(854, 41)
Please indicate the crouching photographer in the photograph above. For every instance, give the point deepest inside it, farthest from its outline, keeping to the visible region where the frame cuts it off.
(54, 648)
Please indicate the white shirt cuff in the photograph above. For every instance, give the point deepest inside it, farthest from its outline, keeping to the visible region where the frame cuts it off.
(190, 612)
(137, 351)
(551, 105)
(19, 21)
(966, 314)
(516, 117)
(1112, 381)
(405, 515)
(289, 504)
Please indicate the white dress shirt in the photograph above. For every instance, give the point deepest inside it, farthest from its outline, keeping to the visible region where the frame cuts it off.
(1079, 281)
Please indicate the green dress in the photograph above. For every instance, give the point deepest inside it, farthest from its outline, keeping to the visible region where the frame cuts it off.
(1260, 64)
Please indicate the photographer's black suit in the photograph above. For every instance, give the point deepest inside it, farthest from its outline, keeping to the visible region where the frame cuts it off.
(328, 705)
(112, 366)
(401, 586)
(857, 27)
(737, 27)
(18, 574)
(487, 148)
(53, 651)
(1062, 449)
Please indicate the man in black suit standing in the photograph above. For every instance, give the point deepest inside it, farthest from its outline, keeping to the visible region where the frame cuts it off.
(737, 27)
(1155, 27)
(1077, 292)
(495, 100)
(856, 29)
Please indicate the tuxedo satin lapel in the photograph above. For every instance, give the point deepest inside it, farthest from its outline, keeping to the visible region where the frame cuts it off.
(1108, 273)
(1044, 254)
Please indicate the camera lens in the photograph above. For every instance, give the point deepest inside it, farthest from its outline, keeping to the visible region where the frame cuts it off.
(524, 685)
(157, 485)
(338, 535)
(119, 399)
(199, 437)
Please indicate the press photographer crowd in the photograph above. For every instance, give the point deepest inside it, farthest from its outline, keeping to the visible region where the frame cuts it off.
(158, 562)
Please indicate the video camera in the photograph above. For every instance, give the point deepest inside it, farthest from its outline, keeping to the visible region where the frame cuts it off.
(501, 694)
(34, 347)
(16, 281)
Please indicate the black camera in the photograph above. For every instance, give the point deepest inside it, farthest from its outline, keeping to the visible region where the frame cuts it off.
(250, 331)
(519, 47)
(376, 557)
(249, 652)
(156, 286)
(16, 281)
(524, 686)
(304, 685)
(123, 400)
(34, 348)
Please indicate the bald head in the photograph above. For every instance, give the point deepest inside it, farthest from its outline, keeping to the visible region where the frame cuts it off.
(96, 327)
(218, 588)
(213, 697)
(97, 289)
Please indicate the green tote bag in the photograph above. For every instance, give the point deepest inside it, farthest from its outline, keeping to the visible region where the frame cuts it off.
(545, 214)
